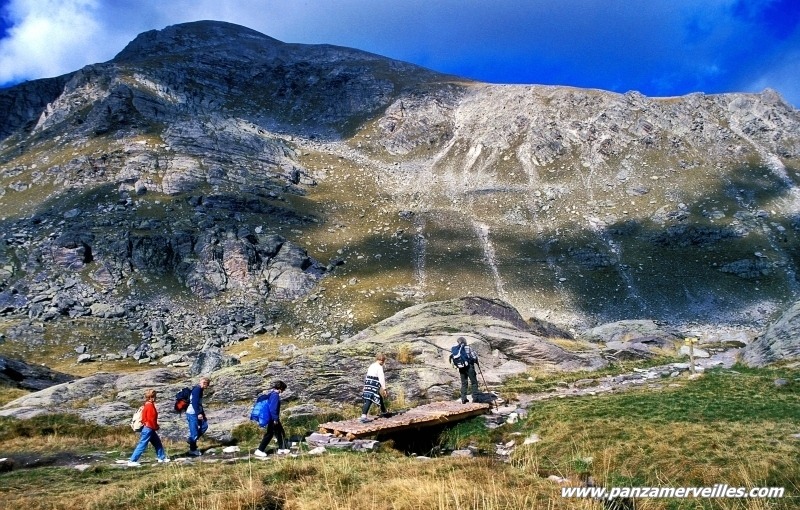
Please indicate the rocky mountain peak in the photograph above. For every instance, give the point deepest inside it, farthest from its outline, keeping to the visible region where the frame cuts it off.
(193, 37)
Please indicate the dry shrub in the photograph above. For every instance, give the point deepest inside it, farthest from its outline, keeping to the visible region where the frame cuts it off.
(404, 355)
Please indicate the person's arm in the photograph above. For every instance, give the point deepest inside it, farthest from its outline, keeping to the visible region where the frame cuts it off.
(382, 380)
(275, 407)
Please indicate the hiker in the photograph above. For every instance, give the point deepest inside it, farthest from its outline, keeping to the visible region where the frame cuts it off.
(149, 434)
(374, 387)
(464, 358)
(196, 416)
(270, 415)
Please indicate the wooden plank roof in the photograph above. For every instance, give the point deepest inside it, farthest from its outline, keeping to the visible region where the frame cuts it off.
(436, 413)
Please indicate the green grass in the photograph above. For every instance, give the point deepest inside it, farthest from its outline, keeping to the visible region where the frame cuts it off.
(9, 393)
(728, 426)
(741, 395)
(472, 432)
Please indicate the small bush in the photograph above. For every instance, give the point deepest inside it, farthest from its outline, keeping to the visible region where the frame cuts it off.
(404, 355)
(302, 425)
(247, 433)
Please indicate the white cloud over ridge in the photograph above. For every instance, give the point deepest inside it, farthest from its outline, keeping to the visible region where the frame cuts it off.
(44, 36)
(662, 47)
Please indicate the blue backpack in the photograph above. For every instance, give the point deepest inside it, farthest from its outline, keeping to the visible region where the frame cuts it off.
(458, 357)
(259, 413)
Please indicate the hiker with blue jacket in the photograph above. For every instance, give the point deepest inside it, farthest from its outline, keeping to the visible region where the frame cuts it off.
(464, 358)
(196, 416)
(268, 413)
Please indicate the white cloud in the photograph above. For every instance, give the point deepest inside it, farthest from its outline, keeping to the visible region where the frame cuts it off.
(45, 36)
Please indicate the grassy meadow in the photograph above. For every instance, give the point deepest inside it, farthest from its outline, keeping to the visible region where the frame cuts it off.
(730, 427)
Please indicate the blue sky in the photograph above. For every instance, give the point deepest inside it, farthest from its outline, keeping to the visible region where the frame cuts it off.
(657, 47)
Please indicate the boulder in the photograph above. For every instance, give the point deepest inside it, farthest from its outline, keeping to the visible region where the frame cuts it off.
(779, 342)
(210, 360)
(634, 339)
(19, 374)
(643, 331)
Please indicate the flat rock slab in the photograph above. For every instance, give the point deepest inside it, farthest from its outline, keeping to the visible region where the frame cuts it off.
(427, 415)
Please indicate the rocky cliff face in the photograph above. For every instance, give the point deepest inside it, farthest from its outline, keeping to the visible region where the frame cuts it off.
(211, 184)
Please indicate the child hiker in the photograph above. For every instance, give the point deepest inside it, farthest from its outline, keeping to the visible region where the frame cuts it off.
(149, 434)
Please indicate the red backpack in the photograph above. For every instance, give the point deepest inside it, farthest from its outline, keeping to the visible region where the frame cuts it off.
(182, 400)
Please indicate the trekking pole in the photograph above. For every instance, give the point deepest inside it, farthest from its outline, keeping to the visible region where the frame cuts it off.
(486, 385)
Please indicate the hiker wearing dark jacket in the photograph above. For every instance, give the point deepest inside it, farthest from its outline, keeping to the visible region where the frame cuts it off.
(467, 372)
(196, 416)
(270, 416)
(148, 434)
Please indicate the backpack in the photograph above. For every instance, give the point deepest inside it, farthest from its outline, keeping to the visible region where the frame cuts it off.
(182, 400)
(258, 410)
(136, 420)
(458, 356)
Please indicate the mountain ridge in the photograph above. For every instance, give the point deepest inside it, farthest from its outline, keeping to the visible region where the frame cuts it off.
(322, 189)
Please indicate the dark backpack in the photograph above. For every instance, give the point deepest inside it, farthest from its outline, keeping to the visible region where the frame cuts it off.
(458, 357)
(182, 400)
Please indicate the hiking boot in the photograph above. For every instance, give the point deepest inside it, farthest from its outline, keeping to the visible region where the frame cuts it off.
(133, 463)
(259, 453)
(195, 453)
(283, 451)
(164, 460)
(464, 401)
(365, 420)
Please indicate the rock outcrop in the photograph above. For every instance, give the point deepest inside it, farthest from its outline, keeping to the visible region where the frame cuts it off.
(635, 339)
(417, 342)
(18, 374)
(779, 342)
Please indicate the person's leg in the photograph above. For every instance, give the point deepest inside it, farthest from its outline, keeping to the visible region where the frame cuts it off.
(473, 379)
(191, 419)
(280, 437)
(365, 408)
(383, 405)
(462, 372)
(202, 426)
(267, 437)
(156, 442)
(143, 440)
